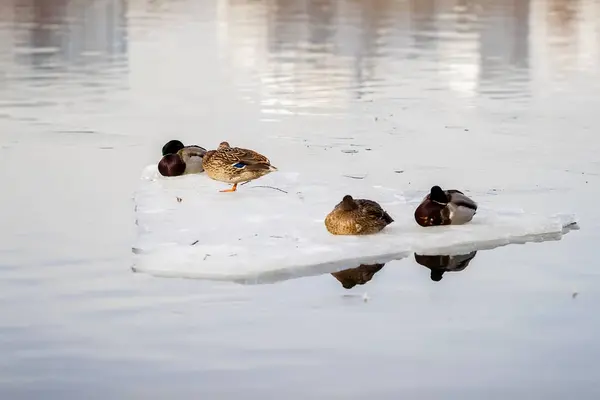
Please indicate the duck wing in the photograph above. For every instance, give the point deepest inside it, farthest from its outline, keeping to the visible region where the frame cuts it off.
(371, 208)
(245, 158)
(460, 200)
(192, 151)
(196, 150)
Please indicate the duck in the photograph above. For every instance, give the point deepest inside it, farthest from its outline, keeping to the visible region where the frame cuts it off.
(445, 207)
(181, 160)
(357, 217)
(235, 165)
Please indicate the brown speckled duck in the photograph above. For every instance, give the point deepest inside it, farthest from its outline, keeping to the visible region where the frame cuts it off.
(357, 217)
(179, 159)
(235, 165)
(450, 207)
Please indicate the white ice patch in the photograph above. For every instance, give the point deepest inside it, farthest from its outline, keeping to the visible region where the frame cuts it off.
(272, 228)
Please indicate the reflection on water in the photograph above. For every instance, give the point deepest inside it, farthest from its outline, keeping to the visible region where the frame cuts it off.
(441, 264)
(61, 33)
(357, 276)
(438, 264)
(504, 54)
(64, 58)
(90, 89)
(472, 47)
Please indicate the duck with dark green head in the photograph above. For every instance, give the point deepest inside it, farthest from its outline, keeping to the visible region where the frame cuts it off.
(445, 207)
(179, 159)
(357, 217)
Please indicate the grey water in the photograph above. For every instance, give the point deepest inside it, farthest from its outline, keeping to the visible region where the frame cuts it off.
(498, 96)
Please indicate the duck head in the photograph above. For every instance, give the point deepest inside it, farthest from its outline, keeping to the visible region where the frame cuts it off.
(347, 203)
(438, 195)
(172, 147)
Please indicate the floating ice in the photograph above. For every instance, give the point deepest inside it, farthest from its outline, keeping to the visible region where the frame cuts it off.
(272, 228)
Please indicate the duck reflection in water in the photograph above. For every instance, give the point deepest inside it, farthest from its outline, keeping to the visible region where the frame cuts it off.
(357, 276)
(441, 264)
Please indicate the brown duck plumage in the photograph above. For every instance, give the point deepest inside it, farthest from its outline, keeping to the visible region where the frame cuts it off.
(235, 165)
(357, 217)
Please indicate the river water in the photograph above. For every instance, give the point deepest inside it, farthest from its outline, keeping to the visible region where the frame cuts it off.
(487, 95)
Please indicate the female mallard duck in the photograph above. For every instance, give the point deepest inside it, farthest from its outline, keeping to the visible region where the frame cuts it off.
(179, 159)
(235, 165)
(357, 217)
(450, 207)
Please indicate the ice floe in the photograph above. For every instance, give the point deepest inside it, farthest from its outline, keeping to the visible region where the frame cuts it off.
(272, 229)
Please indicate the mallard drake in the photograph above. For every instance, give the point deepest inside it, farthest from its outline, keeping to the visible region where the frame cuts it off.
(442, 263)
(234, 165)
(357, 217)
(179, 159)
(357, 276)
(450, 207)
